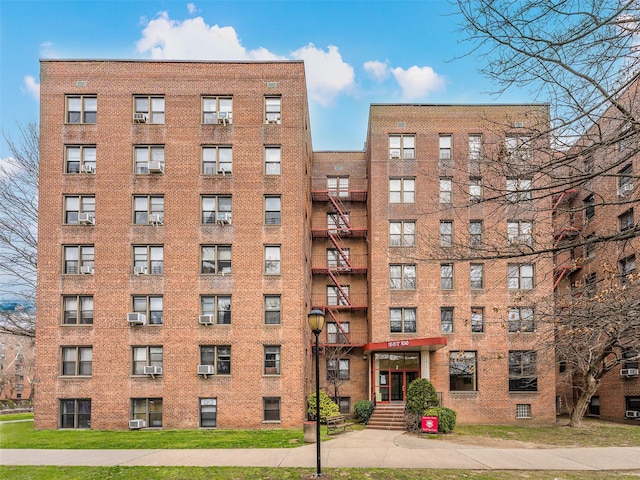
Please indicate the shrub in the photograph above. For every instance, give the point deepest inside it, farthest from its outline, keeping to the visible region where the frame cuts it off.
(446, 418)
(363, 409)
(327, 407)
(421, 395)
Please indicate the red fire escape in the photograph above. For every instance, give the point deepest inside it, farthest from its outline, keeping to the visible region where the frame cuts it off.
(340, 265)
(566, 263)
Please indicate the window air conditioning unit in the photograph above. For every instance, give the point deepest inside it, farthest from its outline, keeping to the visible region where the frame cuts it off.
(223, 117)
(223, 172)
(139, 270)
(136, 424)
(518, 124)
(224, 218)
(86, 219)
(624, 189)
(205, 370)
(632, 414)
(152, 370)
(395, 156)
(629, 372)
(206, 319)
(156, 219)
(139, 118)
(156, 167)
(86, 270)
(136, 318)
(88, 169)
(273, 118)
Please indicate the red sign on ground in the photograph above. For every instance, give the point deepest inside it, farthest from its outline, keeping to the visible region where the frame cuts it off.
(430, 424)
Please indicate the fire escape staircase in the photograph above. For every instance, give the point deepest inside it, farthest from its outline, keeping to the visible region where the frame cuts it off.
(568, 233)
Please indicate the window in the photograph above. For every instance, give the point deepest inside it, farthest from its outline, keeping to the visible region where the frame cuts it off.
(402, 277)
(77, 310)
(146, 356)
(216, 259)
(338, 334)
(148, 109)
(82, 109)
(338, 186)
(402, 190)
(80, 159)
(446, 276)
(148, 259)
(519, 232)
(475, 233)
(208, 412)
(147, 409)
(272, 159)
(523, 375)
(271, 409)
(590, 246)
(75, 205)
(523, 410)
(446, 193)
(625, 181)
(218, 356)
(629, 359)
(475, 189)
(272, 210)
(477, 319)
(76, 361)
(216, 209)
(402, 233)
(625, 221)
(446, 320)
(217, 110)
(446, 233)
(338, 222)
(632, 403)
(337, 258)
(520, 276)
(445, 147)
(588, 163)
(272, 109)
(219, 306)
(149, 159)
(272, 260)
(148, 209)
(75, 413)
(337, 369)
(151, 306)
(402, 146)
(338, 295)
(518, 146)
(78, 259)
(217, 159)
(590, 283)
(476, 274)
(589, 208)
(518, 190)
(627, 268)
(344, 404)
(272, 306)
(272, 360)
(475, 147)
(402, 320)
(521, 319)
(594, 406)
(463, 368)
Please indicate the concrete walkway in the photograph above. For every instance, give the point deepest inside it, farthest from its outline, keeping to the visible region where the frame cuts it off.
(364, 448)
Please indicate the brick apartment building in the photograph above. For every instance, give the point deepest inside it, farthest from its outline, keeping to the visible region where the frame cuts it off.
(187, 228)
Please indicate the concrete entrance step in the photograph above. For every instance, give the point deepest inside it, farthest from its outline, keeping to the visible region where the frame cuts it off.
(387, 417)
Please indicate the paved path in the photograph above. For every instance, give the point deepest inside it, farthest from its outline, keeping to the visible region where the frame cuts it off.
(365, 448)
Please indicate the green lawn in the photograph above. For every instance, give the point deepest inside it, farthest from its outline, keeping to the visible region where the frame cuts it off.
(241, 473)
(16, 416)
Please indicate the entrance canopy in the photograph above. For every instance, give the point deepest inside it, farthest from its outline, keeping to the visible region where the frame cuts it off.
(431, 343)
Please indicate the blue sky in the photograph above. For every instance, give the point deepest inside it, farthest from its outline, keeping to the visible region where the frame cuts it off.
(355, 52)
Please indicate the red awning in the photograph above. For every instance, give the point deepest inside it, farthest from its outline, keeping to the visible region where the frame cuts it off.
(434, 343)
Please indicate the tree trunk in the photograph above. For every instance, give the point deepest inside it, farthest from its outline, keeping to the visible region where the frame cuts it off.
(582, 403)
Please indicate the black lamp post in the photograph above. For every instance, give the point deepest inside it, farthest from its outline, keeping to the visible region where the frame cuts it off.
(316, 322)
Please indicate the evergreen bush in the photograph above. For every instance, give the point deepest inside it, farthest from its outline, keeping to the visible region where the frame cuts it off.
(363, 409)
(328, 407)
(446, 418)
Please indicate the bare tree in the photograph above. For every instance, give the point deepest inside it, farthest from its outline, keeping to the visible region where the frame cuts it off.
(580, 59)
(18, 229)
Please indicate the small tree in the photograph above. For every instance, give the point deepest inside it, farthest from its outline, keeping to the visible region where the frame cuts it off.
(327, 407)
(364, 410)
(421, 395)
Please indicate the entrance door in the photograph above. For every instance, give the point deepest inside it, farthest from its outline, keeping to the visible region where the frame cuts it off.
(397, 386)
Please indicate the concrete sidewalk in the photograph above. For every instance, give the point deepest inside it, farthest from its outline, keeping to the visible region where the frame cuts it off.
(364, 448)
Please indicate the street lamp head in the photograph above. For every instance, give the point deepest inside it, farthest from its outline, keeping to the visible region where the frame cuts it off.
(316, 320)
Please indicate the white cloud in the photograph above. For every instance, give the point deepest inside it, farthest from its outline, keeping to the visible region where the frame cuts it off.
(193, 39)
(47, 50)
(376, 69)
(417, 82)
(327, 74)
(31, 87)
(7, 167)
(192, 8)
